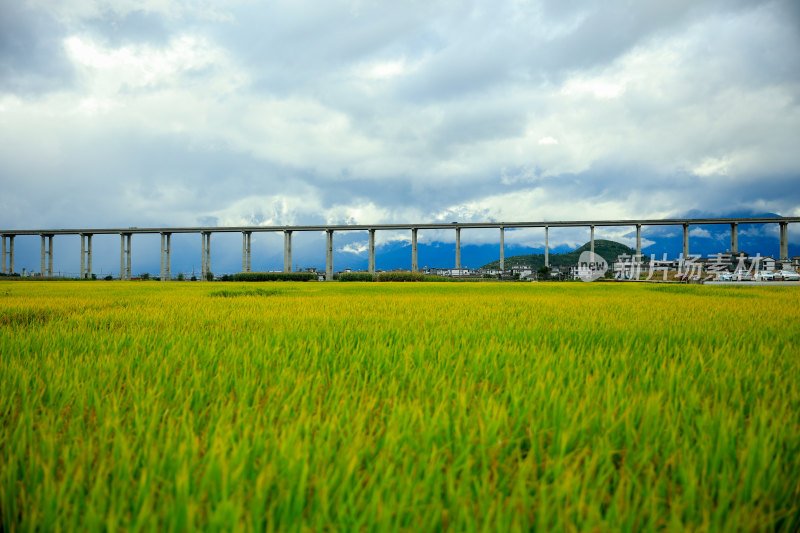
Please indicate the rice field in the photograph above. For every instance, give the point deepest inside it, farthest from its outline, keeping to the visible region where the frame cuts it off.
(398, 407)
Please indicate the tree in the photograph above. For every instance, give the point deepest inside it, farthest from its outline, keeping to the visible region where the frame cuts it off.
(209, 276)
(180, 276)
(544, 272)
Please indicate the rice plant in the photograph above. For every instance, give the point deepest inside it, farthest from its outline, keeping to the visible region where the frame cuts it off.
(399, 407)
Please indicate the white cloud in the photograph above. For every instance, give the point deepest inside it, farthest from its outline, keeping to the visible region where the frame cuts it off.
(646, 243)
(699, 232)
(598, 88)
(711, 166)
(126, 68)
(385, 69)
(357, 115)
(357, 248)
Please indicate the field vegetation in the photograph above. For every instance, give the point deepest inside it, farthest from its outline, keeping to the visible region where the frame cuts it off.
(274, 276)
(410, 406)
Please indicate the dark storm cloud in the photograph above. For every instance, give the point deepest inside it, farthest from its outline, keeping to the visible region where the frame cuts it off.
(32, 58)
(142, 180)
(292, 112)
(294, 47)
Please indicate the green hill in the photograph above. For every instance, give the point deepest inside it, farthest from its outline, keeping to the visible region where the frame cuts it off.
(608, 250)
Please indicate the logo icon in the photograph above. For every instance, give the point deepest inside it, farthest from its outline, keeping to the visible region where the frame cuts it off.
(591, 266)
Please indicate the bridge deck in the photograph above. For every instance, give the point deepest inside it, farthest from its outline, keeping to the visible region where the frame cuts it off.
(434, 225)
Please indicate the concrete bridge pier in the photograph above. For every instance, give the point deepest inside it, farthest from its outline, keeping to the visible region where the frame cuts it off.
(205, 262)
(502, 249)
(414, 267)
(47, 255)
(547, 246)
(734, 237)
(86, 255)
(371, 265)
(125, 256)
(8, 254)
(328, 255)
(638, 239)
(287, 251)
(591, 239)
(685, 242)
(458, 248)
(784, 234)
(246, 250)
(166, 256)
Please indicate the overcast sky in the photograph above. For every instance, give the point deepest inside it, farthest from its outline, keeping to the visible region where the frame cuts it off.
(156, 112)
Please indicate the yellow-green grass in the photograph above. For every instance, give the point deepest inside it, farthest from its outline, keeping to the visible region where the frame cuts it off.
(352, 407)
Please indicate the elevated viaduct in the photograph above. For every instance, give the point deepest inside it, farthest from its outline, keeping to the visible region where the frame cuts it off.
(205, 233)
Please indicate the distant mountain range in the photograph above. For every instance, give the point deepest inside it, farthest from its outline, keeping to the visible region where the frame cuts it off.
(711, 239)
(704, 240)
(608, 250)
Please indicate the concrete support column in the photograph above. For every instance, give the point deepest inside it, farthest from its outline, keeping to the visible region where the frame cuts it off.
(591, 239)
(89, 254)
(128, 273)
(163, 254)
(8, 254)
(47, 255)
(328, 255)
(371, 266)
(125, 256)
(43, 257)
(166, 253)
(205, 262)
(638, 239)
(169, 257)
(458, 248)
(414, 266)
(86, 255)
(547, 246)
(685, 241)
(502, 248)
(784, 233)
(202, 256)
(287, 251)
(247, 249)
(734, 237)
(50, 255)
(3, 255)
